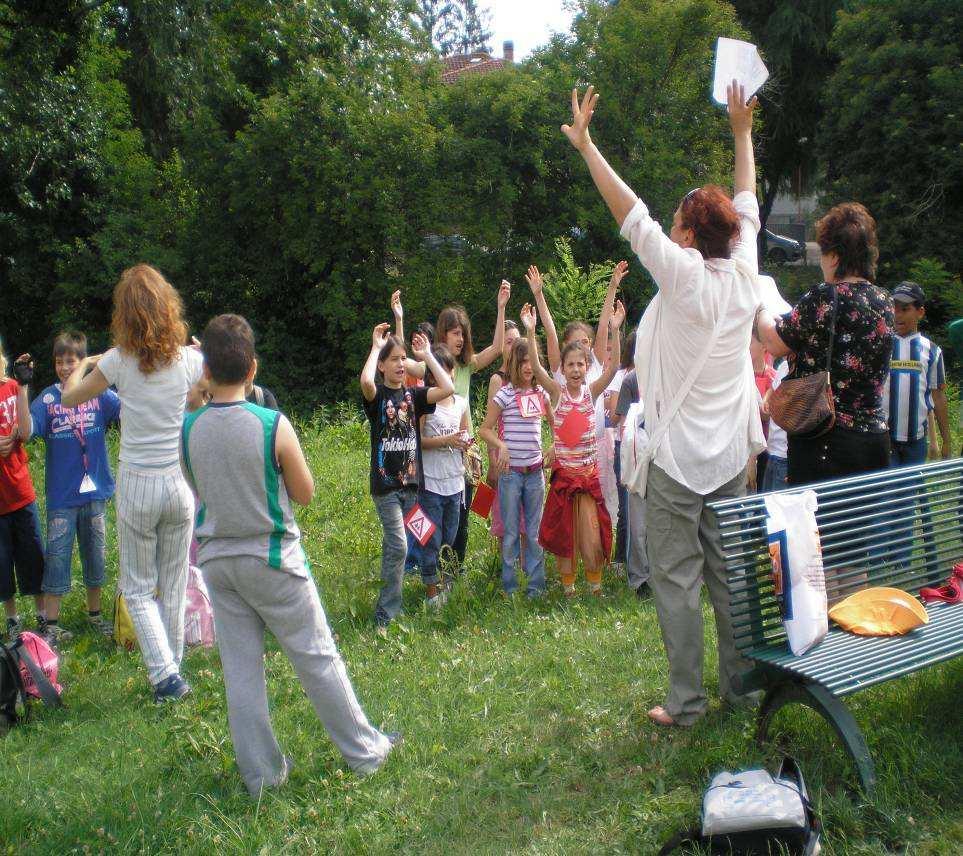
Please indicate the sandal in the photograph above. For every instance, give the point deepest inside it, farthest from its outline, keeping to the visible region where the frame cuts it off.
(952, 592)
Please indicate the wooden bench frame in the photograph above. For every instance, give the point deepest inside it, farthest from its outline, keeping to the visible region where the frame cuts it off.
(867, 524)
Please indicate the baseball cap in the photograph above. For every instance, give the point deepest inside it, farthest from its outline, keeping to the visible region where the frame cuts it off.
(909, 292)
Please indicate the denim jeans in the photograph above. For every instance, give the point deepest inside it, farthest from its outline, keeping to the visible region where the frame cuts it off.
(464, 518)
(906, 454)
(902, 454)
(774, 478)
(87, 523)
(444, 512)
(392, 508)
(518, 494)
(21, 550)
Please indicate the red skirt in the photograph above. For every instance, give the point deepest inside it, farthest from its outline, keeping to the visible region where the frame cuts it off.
(557, 532)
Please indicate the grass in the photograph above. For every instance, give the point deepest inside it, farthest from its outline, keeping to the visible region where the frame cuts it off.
(525, 729)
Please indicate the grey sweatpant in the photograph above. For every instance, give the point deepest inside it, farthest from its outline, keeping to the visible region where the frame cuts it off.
(684, 550)
(248, 595)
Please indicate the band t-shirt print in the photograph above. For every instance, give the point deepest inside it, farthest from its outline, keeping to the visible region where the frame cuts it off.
(393, 418)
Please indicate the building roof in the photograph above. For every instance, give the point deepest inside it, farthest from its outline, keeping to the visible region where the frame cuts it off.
(478, 62)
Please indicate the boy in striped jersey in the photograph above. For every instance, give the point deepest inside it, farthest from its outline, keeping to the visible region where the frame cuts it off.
(916, 383)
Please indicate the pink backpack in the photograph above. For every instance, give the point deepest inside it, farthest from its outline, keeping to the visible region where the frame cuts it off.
(198, 614)
(35, 654)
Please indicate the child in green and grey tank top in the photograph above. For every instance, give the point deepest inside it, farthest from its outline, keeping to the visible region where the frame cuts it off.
(246, 510)
(246, 466)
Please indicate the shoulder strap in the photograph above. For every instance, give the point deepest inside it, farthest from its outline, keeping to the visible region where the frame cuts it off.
(692, 835)
(832, 330)
(666, 419)
(48, 693)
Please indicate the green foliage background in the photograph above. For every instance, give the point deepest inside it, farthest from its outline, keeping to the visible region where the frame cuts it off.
(296, 162)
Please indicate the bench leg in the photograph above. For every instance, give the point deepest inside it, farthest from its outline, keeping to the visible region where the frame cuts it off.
(829, 708)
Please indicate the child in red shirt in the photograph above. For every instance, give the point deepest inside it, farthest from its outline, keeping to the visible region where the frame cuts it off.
(21, 547)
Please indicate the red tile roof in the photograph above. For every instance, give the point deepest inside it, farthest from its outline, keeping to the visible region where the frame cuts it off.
(457, 65)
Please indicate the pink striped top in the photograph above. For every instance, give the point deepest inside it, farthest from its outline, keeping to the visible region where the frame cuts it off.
(585, 452)
(522, 435)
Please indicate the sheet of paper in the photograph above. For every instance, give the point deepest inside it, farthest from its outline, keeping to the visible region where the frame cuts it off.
(737, 60)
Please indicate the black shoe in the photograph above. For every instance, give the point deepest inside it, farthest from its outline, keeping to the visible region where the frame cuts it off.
(643, 592)
(395, 738)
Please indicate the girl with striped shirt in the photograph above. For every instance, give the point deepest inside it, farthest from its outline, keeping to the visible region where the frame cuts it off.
(575, 521)
(520, 405)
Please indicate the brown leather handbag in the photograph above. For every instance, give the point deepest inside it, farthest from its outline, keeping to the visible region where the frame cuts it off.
(804, 406)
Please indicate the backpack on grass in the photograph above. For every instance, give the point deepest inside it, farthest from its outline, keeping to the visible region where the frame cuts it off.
(28, 669)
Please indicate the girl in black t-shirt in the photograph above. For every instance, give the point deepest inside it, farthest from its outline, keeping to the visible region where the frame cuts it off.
(393, 415)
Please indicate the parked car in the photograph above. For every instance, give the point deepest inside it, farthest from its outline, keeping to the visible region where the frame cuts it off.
(780, 249)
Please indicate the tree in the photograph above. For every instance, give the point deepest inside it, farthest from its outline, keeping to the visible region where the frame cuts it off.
(454, 26)
(893, 124)
(794, 39)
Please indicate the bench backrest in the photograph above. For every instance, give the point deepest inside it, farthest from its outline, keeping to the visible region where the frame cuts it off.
(901, 528)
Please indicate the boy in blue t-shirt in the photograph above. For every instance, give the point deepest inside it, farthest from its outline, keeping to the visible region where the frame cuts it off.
(78, 484)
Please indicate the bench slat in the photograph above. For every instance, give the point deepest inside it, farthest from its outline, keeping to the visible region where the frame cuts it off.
(845, 663)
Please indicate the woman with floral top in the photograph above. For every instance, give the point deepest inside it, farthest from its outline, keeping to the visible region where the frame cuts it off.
(859, 441)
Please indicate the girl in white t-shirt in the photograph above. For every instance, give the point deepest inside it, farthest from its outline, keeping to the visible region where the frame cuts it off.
(444, 435)
(154, 374)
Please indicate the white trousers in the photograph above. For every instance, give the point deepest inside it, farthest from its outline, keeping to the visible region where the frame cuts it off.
(155, 512)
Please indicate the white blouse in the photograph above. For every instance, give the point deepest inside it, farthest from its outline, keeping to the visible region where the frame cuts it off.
(717, 427)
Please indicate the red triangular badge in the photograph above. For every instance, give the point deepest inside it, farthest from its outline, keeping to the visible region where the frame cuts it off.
(419, 525)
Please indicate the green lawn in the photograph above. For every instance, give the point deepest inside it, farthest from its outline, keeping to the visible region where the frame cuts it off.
(525, 729)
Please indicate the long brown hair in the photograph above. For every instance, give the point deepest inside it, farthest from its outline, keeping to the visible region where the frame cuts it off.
(148, 318)
(450, 318)
(516, 357)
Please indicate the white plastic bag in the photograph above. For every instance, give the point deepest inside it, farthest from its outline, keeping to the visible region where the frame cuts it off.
(750, 800)
(797, 567)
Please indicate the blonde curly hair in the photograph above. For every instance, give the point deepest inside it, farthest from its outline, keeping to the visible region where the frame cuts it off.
(148, 318)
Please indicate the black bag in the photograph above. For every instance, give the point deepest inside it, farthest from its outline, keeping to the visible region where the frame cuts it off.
(12, 693)
(747, 833)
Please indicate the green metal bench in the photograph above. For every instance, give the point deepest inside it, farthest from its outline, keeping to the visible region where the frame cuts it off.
(868, 530)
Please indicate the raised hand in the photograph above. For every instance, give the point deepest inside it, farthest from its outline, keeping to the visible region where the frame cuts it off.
(534, 280)
(528, 317)
(740, 113)
(396, 307)
(577, 132)
(379, 336)
(618, 274)
(420, 347)
(618, 315)
(504, 294)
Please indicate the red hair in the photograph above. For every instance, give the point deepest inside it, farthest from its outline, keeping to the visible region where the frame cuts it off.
(148, 320)
(709, 212)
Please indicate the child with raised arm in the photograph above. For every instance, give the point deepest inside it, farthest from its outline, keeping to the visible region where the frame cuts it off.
(519, 405)
(394, 413)
(21, 549)
(575, 521)
(245, 465)
(444, 439)
(78, 485)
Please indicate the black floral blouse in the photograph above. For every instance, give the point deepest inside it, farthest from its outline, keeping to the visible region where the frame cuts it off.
(863, 344)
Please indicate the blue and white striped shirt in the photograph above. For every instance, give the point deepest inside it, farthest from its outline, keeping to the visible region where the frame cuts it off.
(915, 370)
